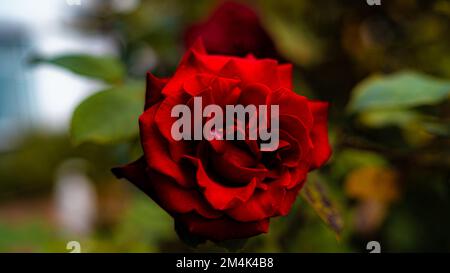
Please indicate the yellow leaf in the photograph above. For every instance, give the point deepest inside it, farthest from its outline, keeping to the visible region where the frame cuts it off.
(317, 196)
(373, 183)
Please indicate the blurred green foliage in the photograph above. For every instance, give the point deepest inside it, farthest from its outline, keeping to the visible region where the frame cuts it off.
(398, 91)
(106, 68)
(109, 116)
(30, 169)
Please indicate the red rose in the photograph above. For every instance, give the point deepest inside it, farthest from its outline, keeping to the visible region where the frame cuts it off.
(233, 29)
(223, 189)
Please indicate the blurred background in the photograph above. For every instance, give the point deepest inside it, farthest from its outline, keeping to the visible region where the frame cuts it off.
(385, 70)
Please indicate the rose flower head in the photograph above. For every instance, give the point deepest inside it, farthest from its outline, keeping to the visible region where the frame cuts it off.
(220, 189)
(233, 29)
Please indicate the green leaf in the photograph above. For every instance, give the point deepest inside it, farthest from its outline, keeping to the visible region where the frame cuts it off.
(397, 117)
(292, 37)
(317, 196)
(107, 68)
(144, 225)
(400, 90)
(437, 128)
(349, 159)
(109, 116)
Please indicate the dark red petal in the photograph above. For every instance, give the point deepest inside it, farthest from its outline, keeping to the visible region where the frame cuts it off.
(176, 199)
(263, 71)
(292, 104)
(197, 83)
(285, 76)
(189, 65)
(295, 127)
(289, 200)
(264, 203)
(232, 19)
(293, 131)
(219, 196)
(203, 61)
(237, 166)
(135, 172)
(154, 88)
(162, 190)
(163, 122)
(156, 151)
(298, 175)
(225, 91)
(254, 94)
(291, 156)
(223, 228)
(321, 151)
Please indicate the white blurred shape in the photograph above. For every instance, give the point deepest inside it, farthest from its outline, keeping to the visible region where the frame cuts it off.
(75, 199)
(125, 5)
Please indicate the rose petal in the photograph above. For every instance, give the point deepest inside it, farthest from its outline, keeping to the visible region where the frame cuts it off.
(264, 203)
(292, 104)
(176, 199)
(321, 151)
(167, 194)
(237, 166)
(191, 64)
(156, 151)
(254, 94)
(219, 196)
(196, 84)
(285, 76)
(291, 156)
(154, 88)
(232, 19)
(135, 172)
(293, 131)
(298, 175)
(207, 63)
(289, 199)
(225, 91)
(223, 228)
(263, 71)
